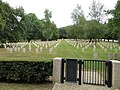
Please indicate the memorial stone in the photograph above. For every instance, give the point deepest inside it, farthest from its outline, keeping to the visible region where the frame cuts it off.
(115, 56)
(77, 46)
(5, 46)
(50, 51)
(8, 48)
(46, 46)
(116, 49)
(95, 55)
(74, 45)
(71, 70)
(40, 49)
(111, 47)
(18, 48)
(110, 56)
(15, 48)
(30, 46)
(105, 50)
(94, 49)
(36, 50)
(24, 50)
(83, 49)
(11, 50)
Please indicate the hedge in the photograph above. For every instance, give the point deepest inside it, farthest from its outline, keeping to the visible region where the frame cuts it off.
(25, 71)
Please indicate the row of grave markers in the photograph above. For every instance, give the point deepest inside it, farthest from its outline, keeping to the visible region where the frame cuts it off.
(39, 46)
(84, 45)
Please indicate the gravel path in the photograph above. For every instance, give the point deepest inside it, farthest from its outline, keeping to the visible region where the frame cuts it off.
(80, 87)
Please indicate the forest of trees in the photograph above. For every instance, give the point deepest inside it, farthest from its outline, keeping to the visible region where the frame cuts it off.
(16, 25)
(95, 27)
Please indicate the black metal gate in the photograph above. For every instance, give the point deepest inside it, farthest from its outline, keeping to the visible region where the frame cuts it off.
(95, 72)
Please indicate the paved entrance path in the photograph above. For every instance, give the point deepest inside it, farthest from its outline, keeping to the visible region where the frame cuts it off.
(80, 87)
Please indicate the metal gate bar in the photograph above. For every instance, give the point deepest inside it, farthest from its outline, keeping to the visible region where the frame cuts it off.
(94, 72)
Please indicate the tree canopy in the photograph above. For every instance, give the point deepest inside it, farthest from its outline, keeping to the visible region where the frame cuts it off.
(16, 25)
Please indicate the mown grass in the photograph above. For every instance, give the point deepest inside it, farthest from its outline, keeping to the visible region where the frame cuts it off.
(68, 51)
(64, 50)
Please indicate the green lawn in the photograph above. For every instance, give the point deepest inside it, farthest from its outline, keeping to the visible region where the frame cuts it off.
(64, 50)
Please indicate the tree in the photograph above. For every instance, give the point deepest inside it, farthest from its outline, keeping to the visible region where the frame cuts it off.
(55, 31)
(79, 22)
(114, 23)
(96, 11)
(7, 14)
(10, 29)
(62, 32)
(47, 31)
(50, 30)
(31, 27)
(95, 30)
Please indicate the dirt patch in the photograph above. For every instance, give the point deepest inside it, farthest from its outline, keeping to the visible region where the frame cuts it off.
(16, 86)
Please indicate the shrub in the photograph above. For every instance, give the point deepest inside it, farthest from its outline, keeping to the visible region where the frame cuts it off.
(25, 71)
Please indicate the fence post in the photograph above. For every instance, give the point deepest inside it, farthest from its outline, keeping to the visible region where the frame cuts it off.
(58, 70)
(80, 71)
(109, 73)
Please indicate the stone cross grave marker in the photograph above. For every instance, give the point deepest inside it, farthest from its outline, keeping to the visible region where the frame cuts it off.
(24, 50)
(18, 49)
(94, 49)
(11, 50)
(83, 49)
(30, 46)
(46, 46)
(115, 56)
(36, 50)
(110, 56)
(116, 49)
(95, 55)
(111, 47)
(5, 46)
(15, 48)
(50, 50)
(40, 49)
(105, 50)
(8, 48)
(77, 46)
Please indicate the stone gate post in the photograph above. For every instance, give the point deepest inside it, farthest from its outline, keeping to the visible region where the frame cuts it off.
(58, 70)
(115, 74)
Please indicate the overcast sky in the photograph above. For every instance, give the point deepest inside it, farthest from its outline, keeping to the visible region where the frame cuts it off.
(61, 9)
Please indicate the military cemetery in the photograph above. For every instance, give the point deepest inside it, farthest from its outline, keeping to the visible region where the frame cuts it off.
(39, 54)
